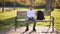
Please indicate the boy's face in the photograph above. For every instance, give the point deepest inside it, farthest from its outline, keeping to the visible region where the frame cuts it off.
(31, 7)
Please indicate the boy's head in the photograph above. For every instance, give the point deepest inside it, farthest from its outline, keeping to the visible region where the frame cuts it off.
(31, 7)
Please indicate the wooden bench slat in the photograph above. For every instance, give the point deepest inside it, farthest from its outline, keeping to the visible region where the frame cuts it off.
(24, 13)
(47, 20)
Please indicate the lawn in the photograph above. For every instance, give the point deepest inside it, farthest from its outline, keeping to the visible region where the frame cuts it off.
(56, 14)
(7, 19)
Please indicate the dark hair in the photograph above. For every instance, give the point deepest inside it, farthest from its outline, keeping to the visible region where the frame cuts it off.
(31, 6)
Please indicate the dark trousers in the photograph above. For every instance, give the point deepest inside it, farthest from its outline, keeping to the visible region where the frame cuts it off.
(27, 21)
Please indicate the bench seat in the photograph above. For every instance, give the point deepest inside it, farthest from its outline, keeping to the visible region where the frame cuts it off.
(45, 20)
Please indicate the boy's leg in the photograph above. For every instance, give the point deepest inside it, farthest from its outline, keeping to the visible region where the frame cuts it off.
(34, 20)
(27, 25)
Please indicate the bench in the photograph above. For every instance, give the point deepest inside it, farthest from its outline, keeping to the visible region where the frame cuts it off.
(24, 14)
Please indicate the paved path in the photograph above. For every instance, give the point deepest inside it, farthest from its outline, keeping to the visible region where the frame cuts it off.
(39, 30)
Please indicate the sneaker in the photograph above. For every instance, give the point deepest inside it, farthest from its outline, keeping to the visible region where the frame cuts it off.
(26, 29)
(34, 29)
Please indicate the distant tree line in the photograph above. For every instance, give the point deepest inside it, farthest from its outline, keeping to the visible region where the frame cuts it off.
(11, 4)
(38, 3)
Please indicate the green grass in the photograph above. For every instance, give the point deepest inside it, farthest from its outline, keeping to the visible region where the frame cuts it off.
(56, 14)
(7, 19)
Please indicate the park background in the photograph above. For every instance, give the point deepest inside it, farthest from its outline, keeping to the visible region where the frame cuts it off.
(9, 8)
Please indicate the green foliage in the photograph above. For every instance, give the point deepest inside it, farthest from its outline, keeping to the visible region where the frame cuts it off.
(39, 2)
(58, 2)
(36, 3)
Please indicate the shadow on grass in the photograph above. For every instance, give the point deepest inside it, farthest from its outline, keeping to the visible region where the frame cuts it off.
(0, 12)
(8, 23)
(4, 24)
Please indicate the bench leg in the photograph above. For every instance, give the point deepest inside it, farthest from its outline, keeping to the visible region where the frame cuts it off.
(21, 23)
(15, 24)
(53, 25)
(50, 24)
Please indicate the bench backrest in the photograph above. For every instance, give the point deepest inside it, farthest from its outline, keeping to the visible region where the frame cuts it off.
(21, 13)
(24, 13)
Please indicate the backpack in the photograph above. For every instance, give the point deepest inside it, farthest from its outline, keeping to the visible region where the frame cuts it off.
(40, 15)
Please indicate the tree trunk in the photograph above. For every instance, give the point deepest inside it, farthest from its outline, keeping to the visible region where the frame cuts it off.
(14, 4)
(3, 3)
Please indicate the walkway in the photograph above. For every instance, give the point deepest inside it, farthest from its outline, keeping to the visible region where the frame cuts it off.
(39, 30)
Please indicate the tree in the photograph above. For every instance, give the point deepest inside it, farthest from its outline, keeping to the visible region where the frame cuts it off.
(40, 2)
(3, 3)
(57, 2)
(14, 4)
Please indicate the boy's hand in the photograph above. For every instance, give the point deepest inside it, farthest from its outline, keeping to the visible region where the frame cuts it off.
(30, 17)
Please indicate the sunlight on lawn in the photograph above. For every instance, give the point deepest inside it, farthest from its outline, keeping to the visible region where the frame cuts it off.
(7, 19)
(56, 14)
